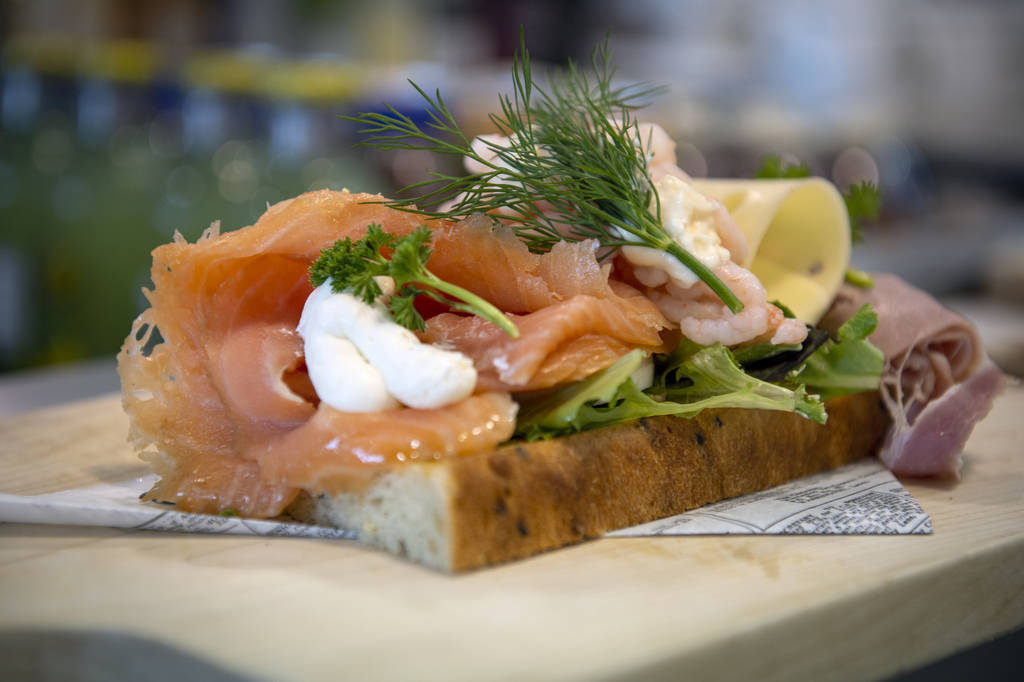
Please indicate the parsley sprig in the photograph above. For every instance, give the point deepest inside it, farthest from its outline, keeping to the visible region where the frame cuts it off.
(775, 167)
(352, 267)
(575, 166)
(863, 203)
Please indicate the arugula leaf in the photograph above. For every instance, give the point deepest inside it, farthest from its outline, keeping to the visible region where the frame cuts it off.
(352, 266)
(850, 364)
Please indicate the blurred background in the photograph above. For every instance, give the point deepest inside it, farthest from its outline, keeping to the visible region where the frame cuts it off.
(122, 122)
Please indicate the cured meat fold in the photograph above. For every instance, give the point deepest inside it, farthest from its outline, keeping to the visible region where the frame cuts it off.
(937, 382)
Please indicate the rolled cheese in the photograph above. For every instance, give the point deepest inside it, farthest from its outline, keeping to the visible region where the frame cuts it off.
(799, 237)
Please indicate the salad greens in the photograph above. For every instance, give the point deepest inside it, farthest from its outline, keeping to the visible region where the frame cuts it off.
(693, 378)
(850, 364)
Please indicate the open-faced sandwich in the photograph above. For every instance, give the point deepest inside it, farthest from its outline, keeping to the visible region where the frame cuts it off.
(573, 337)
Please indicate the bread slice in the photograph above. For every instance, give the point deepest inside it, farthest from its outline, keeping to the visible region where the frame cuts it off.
(520, 499)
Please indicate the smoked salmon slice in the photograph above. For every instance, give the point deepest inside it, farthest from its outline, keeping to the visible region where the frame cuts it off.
(335, 449)
(549, 349)
(492, 263)
(574, 320)
(225, 309)
(213, 372)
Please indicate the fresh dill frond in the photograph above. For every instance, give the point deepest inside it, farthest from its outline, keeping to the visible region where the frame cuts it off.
(352, 266)
(575, 166)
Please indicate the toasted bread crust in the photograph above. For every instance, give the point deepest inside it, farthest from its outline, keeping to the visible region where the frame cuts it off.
(530, 497)
(463, 513)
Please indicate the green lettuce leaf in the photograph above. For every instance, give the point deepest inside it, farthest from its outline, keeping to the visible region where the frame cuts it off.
(557, 412)
(694, 379)
(710, 376)
(773, 363)
(851, 364)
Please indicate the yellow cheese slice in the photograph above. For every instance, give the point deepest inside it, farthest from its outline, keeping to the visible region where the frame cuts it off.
(799, 237)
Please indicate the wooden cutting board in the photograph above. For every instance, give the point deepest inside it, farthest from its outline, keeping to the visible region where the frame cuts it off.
(169, 606)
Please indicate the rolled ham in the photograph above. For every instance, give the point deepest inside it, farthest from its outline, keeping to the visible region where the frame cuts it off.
(937, 382)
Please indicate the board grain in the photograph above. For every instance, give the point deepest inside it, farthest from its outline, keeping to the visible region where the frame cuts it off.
(237, 607)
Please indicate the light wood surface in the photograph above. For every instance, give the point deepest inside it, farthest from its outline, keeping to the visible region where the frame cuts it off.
(711, 608)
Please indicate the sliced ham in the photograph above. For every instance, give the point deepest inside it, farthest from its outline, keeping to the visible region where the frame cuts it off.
(937, 382)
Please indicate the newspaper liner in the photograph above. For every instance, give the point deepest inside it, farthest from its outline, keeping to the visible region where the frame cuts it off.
(860, 498)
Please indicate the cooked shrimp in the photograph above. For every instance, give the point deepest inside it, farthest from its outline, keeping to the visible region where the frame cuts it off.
(661, 152)
(705, 319)
(662, 161)
(484, 146)
(784, 330)
(733, 239)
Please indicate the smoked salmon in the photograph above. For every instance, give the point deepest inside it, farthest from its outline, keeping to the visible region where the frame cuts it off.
(553, 333)
(214, 372)
(493, 263)
(204, 369)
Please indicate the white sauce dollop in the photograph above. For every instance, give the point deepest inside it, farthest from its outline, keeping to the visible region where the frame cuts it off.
(360, 360)
(689, 219)
(643, 376)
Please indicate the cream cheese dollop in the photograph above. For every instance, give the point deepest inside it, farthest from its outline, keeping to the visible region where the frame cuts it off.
(360, 360)
(689, 218)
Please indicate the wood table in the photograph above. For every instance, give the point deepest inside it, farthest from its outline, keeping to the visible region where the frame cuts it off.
(172, 606)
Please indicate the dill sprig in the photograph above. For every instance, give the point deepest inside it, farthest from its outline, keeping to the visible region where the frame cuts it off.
(352, 266)
(575, 166)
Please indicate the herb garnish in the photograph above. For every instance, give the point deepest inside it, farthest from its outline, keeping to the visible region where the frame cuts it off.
(774, 167)
(575, 167)
(863, 202)
(352, 266)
